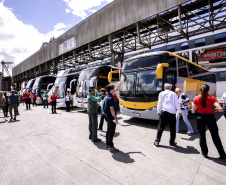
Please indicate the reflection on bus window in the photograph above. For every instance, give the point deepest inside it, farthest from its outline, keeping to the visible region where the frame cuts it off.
(147, 81)
(128, 84)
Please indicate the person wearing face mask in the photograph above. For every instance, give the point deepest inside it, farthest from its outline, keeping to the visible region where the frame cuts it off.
(204, 105)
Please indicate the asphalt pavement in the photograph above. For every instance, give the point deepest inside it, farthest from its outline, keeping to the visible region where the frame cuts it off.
(53, 149)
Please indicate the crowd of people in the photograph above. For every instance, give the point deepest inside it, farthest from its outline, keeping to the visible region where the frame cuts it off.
(171, 106)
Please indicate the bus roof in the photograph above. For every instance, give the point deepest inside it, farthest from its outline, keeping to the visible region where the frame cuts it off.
(163, 53)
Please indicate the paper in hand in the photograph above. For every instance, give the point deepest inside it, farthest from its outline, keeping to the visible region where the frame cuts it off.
(118, 123)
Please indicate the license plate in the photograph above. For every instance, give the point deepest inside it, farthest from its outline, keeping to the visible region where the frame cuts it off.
(82, 105)
(135, 114)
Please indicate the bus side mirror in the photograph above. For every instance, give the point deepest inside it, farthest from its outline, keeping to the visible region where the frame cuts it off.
(159, 70)
(110, 75)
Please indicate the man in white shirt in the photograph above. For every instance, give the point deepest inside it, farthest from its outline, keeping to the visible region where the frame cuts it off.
(168, 105)
(223, 98)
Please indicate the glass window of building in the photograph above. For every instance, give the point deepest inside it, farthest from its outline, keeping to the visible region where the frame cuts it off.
(184, 45)
(157, 49)
(222, 76)
(200, 42)
(220, 38)
(171, 48)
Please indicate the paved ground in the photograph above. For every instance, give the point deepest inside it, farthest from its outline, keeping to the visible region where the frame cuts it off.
(44, 148)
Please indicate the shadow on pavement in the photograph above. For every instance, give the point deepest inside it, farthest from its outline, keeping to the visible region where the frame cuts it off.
(124, 157)
(218, 161)
(115, 135)
(152, 124)
(119, 156)
(192, 137)
(3, 121)
(188, 150)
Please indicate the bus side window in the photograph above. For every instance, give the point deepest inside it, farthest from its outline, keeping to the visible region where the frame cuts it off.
(193, 70)
(171, 78)
(183, 72)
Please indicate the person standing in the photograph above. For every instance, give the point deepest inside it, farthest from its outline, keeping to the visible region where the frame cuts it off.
(103, 116)
(13, 104)
(71, 101)
(203, 105)
(92, 99)
(7, 104)
(30, 96)
(45, 98)
(166, 111)
(26, 96)
(223, 98)
(3, 103)
(67, 102)
(34, 99)
(183, 100)
(53, 98)
(112, 120)
(18, 102)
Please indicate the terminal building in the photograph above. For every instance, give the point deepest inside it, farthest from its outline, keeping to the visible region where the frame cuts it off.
(194, 29)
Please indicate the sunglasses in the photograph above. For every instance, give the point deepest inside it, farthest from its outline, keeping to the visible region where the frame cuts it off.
(176, 92)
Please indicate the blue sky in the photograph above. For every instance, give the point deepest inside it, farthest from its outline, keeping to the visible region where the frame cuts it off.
(25, 24)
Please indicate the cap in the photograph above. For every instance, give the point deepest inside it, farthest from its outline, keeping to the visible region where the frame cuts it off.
(103, 90)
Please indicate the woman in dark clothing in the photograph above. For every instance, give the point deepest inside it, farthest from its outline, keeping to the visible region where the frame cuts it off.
(7, 104)
(203, 105)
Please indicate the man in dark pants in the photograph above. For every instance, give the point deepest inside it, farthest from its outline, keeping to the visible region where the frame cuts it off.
(13, 104)
(103, 116)
(6, 105)
(26, 96)
(112, 120)
(45, 99)
(92, 110)
(166, 111)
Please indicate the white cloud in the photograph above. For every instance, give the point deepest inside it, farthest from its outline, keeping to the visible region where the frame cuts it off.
(18, 40)
(92, 10)
(68, 10)
(79, 8)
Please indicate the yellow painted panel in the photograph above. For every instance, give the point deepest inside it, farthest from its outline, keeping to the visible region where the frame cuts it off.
(138, 105)
(193, 85)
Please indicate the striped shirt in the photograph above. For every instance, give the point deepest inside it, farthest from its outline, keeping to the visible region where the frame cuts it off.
(182, 100)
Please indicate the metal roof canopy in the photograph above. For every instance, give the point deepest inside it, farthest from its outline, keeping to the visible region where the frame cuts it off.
(123, 26)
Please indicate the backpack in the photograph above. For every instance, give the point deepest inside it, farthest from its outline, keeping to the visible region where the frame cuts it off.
(104, 106)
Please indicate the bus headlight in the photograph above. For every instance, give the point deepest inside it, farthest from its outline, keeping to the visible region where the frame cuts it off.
(121, 105)
(152, 108)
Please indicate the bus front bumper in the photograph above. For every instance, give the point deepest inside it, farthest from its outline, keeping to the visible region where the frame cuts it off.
(82, 105)
(147, 114)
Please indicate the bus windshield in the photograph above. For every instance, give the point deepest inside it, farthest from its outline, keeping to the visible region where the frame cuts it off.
(60, 80)
(88, 74)
(140, 83)
(29, 83)
(37, 81)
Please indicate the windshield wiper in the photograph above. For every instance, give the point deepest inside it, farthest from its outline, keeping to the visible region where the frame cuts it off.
(143, 92)
(130, 89)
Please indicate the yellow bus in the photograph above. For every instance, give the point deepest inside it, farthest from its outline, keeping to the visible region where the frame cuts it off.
(143, 78)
